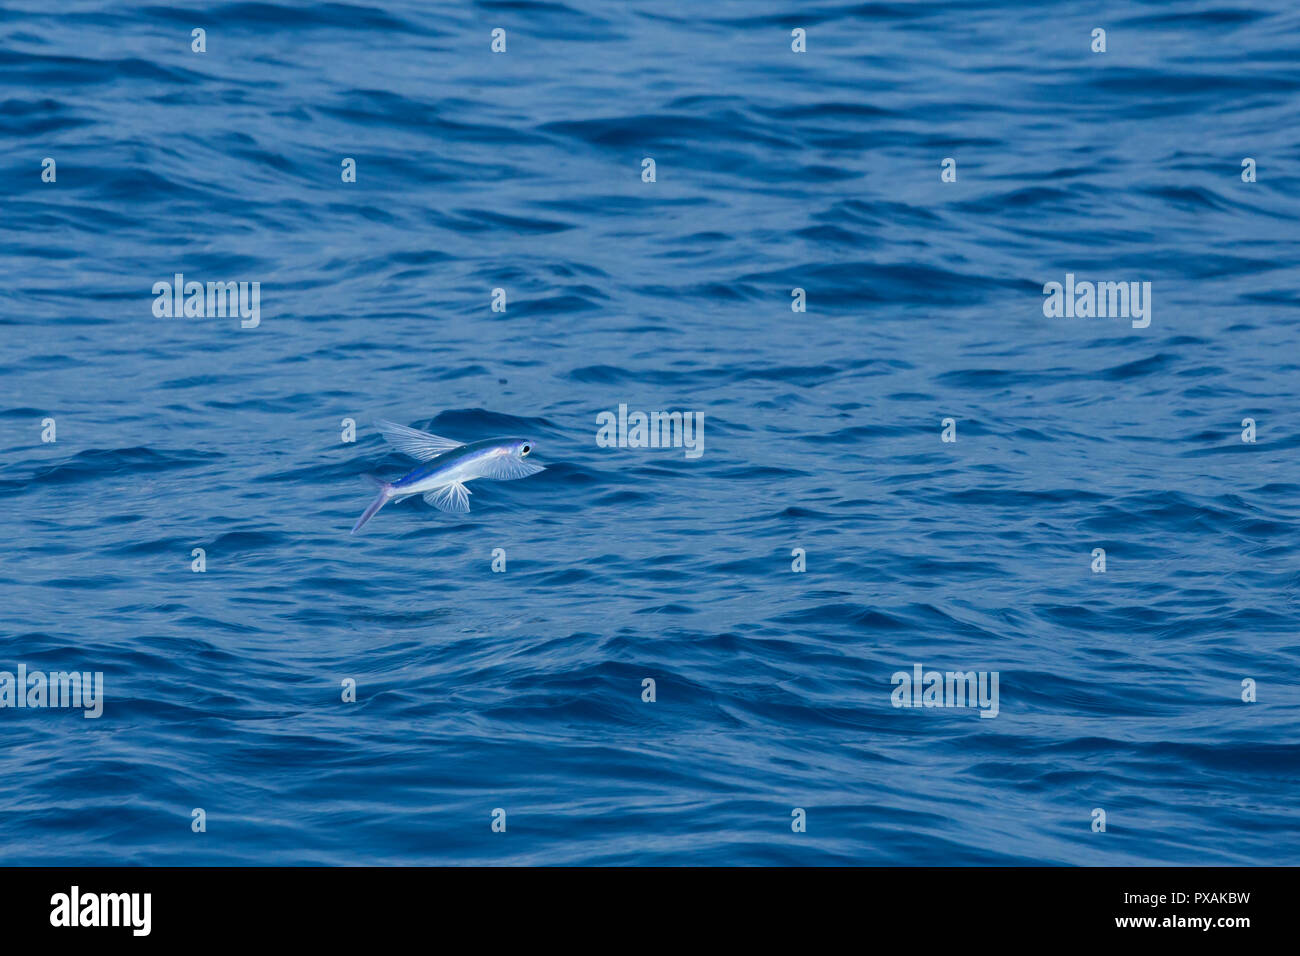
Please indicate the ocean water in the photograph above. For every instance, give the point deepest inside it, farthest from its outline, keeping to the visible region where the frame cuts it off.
(522, 691)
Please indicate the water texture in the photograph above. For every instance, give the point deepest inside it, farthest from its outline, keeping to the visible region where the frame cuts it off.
(774, 170)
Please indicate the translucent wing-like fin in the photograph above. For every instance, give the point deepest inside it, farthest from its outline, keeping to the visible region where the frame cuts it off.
(453, 498)
(411, 441)
(505, 467)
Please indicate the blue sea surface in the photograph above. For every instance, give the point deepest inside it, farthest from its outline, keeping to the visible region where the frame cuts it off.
(522, 691)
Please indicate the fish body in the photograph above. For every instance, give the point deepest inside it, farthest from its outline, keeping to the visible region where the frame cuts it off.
(448, 465)
(478, 459)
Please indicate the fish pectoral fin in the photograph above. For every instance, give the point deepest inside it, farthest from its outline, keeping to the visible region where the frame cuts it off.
(453, 498)
(413, 442)
(508, 467)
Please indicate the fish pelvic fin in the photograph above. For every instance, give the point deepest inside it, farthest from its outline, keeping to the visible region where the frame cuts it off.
(453, 498)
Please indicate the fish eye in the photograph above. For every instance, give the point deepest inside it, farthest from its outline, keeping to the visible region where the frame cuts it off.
(527, 449)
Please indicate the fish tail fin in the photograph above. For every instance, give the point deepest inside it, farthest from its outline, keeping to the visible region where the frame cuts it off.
(381, 499)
